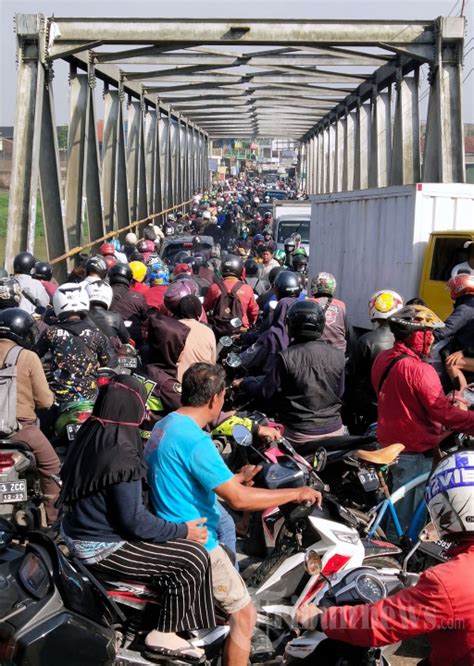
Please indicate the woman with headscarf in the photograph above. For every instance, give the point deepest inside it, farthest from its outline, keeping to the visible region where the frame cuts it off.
(107, 526)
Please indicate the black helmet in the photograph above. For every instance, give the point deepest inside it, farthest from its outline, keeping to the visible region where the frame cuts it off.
(24, 263)
(272, 276)
(300, 263)
(251, 268)
(96, 264)
(43, 271)
(17, 325)
(181, 257)
(232, 265)
(10, 293)
(305, 321)
(286, 284)
(290, 245)
(120, 274)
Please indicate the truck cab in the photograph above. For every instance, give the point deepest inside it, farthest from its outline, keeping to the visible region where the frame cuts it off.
(445, 250)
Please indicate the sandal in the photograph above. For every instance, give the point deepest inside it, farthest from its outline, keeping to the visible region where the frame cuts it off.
(184, 654)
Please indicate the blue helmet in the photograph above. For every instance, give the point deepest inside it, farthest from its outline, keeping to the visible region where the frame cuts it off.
(159, 276)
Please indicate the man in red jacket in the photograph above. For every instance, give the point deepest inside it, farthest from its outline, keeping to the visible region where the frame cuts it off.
(232, 270)
(412, 408)
(440, 604)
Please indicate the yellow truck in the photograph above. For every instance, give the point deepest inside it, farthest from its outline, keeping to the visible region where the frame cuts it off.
(407, 238)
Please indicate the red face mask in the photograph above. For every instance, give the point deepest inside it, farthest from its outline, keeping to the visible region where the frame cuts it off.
(420, 342)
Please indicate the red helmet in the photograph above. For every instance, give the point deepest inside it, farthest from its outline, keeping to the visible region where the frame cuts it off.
(107, 250)
(145, 246)
(179, 269)
(110, 261)
(460, 285)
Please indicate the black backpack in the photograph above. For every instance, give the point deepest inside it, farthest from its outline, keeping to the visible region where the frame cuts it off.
(227, 307)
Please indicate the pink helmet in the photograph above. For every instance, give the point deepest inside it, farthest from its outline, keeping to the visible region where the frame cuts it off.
(177, 290)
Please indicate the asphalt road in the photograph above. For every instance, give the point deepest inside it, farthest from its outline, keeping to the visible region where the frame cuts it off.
(410, 652)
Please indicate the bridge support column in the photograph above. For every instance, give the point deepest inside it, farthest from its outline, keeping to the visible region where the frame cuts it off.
(150, 158)
(380, 140)
(405, 166)
(349, 151)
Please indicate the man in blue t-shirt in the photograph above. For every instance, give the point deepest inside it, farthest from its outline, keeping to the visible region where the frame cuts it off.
(187, 475)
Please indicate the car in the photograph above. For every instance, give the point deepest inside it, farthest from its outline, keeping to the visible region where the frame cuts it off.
(275, 194)
(171, 246)
(288, 225)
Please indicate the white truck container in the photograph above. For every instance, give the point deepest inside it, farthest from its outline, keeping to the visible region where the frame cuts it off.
(377, 239)
(289, 217)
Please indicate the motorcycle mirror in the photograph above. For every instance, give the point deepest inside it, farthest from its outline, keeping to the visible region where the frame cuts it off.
(233, 360)
(225, 341)
(428, 534)
(242, 435)
(312, 563)
(236, 322)
(468, 395)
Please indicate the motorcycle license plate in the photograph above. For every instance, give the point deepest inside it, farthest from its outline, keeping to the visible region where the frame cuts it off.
(71, 431)
(369, 480)
(128, 362)
(12, 491)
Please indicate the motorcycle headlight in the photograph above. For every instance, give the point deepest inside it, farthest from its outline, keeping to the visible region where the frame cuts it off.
(347, 537)
(312, 563)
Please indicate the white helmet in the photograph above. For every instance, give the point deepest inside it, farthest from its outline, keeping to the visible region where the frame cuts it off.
(206, 215)
(131, 238)
(383, 304)
(450, 495)
(101, 292)
(68, 298)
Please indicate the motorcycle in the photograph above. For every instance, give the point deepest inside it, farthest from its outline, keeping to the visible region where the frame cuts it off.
(128, 359)
(20, 490)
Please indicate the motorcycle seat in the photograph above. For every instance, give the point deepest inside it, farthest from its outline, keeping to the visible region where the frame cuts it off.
(342, 443)
(386, 456)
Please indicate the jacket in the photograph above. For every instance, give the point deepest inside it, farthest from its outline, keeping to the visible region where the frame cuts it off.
(336, 330)
(32, 390)
(305, 387)
(459, 324)
(37, 294)
(439, 605)
(245, 295)
(412, 408)
(110, 323)
(132, 307)
(368, 347)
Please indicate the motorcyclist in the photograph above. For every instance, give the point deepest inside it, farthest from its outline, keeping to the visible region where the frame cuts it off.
(130, 305)
(280, 256)
(232, 270)
(253, 278)
(137, 284)
(75, 347)
(440, 604)
(382, 304)
(290, 247)
(186, 475)
(158, 279)
(130, 245)
(33, 292)
(412, 407)
(32, 393)
(268, 262)
(110, 323)
(96, 269)
(337, 330)
(44, 273)
(306, 384)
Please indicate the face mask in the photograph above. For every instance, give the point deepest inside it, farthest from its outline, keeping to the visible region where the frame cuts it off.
(420, 342)
(124, 423)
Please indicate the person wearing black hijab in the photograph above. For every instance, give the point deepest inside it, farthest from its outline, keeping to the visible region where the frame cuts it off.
(108, 527)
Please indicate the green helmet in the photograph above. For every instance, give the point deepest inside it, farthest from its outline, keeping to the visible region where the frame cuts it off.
(280, 256)
(299, 251)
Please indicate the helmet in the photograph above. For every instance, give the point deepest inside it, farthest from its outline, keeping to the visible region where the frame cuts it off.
(131, 238)
(305, 320)
(286, 284)
(180, 257)
(168, 229)
(159, 276)
(299, 263)
(100, 292)
(290, 245)
(120, 274)
(171, 218)
(324, 284)
(251, 268)
(244, 233)
(96, 264)
(206, 215)
(267, 215)
(17, 325)
(43, 271)
(70, 298)
(258, 239)
(461, 285)
(24, 263)
(280, 256)
(110, 262)
(145, 246)
(232, 265)
(107, 249)
(10, 293)
(383, 304)
(414, 318)
(449, 495)
(138, 269)
(177, 290)
(272, 276)
(116, 243)
(300, 251)
(185, 268)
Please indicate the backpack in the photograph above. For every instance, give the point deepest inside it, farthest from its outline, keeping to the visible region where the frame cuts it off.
(227, 307)
(8, 421)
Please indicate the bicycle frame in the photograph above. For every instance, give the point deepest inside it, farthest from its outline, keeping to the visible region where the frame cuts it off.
(388, 504)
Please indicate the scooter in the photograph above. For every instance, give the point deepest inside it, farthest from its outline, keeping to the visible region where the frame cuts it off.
(20, 490)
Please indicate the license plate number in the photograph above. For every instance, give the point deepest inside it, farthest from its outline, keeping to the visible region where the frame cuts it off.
(71, 431)
(128, 362)
(12, 491)
(369, 478)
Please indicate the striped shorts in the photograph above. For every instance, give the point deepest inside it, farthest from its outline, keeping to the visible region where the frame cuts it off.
(180, 570)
